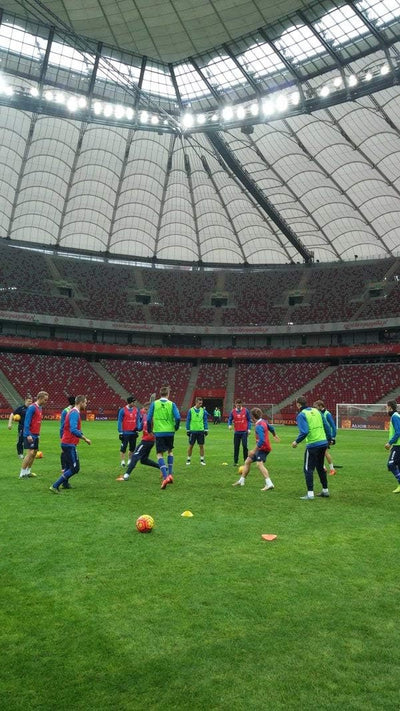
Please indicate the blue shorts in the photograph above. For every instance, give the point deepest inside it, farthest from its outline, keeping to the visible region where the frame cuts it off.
(164, 444)
(31, 445)
(260, 456)
(194, 437)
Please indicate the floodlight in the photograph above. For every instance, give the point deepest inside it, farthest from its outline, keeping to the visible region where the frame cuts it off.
(240, 112)
(188, 120)
(108, 110)
(119, 112)
(337, 82)
(254, 109)
(154, 120)
(200, 118)
(268, 107)
(281, 103)
(34, 91)
(72, 103)
(352, 80)
(227, 113)
(295, 98)
(144, 117)
(129, 113)
(385, 69)
(97, 108)
(324, 91)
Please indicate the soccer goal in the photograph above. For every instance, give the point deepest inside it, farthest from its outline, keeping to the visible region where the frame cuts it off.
(361, 416)
(267, 408)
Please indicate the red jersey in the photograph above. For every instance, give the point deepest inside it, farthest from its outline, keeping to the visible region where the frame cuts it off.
(146, 436)
(72, 425)
(261, 432)
(129, 419)
(240, 419)
(36, 420)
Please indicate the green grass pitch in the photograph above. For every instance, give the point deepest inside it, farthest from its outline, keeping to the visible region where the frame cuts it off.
(201, 613)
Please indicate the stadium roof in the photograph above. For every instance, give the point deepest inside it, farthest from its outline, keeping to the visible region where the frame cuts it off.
(279, 145)
(168, 30)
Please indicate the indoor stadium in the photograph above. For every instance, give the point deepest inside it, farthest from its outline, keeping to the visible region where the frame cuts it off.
(199, 269)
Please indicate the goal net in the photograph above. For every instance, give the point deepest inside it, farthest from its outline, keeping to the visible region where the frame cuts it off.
(267, 408)
(362, 416)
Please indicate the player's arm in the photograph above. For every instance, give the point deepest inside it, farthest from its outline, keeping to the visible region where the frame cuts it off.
(303, 429)
(120, 417)
(10, 420)
(331, 423)
(396, 435)
(272, 430)
(150, 418)
(188, 419)
(73, 424)
(177, 416)
(230, 419)
(205, 421)
(27, 421)
(248, 421)
(260, 438)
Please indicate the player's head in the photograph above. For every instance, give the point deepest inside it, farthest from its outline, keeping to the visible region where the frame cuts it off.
(391, 406)
(42, 397)
(130, 399)
(198, 402)
(256, 413)
(146, 406)
(301, 402)
(81, 402)
(71, 400)
(319, 404)
(165, 391)
(28, 400)
(238, 403)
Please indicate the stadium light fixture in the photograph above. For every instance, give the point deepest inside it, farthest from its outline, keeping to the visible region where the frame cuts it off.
(240, 112)
(82, 102)
(144, 117)
(338, 82)
(352, 80)
(254, 109)
(295, 98)
(227, 113)
(108, 110)
(187, 120)
(97, 108)
(72, 103)
(201, 119)
(34, 92)
(119, 112)
(154, 120)
(281, 103)
(268, 107)
(130, 114)
(48, 95)
(324, 91)
(368, 76)
(385, 69)
(60, 98)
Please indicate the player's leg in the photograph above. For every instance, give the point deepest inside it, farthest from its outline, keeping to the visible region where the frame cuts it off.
(145, 459)
(308, 468)
(133, 460)
(393, 466)
(329, 459)
(190, 448)
(132, 444)
(236, 446)
(244, 445)
(320, 454)
(262, 456)
(20, 444)
(123, 447)
(200, 440)
(245, 468)
(31, 447)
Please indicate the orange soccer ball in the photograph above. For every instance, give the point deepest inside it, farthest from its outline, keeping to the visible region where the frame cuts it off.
(17, 418)
(145, 523)
(39, 455)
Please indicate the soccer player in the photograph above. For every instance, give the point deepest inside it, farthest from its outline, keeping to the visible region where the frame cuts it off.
(320, 405)
(163, 418)
(217, 416)
(394, 442)
(259, 454)
(20, 412)
(142, 451)
(314, 429)
(32, 424)
(66, 410)
(129, 423)
(197, 429)
(72, 433)
(240, 416)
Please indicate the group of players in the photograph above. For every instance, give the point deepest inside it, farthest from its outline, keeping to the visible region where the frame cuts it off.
(159, 420)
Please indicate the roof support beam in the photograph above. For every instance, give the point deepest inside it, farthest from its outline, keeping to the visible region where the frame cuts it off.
(226, 154)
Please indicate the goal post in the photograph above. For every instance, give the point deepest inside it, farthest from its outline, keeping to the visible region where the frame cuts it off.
(361, 416)
(268, 409)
